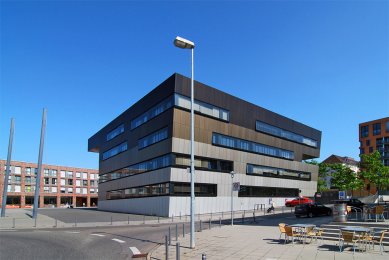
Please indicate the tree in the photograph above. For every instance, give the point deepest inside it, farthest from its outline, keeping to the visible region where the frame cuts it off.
(323, 173)
(344, 178)
(373, 170)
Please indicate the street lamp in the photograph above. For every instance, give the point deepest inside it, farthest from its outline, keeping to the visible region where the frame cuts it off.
(186, 44)
(232, 197)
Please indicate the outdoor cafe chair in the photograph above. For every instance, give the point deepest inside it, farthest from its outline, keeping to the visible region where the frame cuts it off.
(368, 238)
(347, 237)
(379, 212)
(281, 226)
(290, 233)
(380, 240)
(315, 233)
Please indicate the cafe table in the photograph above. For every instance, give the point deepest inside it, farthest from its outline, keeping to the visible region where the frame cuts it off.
(303, 229)
(360, 231)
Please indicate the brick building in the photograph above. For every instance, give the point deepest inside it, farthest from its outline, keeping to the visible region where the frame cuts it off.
(374, 136)
(60, 185)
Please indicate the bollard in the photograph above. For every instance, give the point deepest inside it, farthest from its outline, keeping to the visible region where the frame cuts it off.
(222, 215)
(166, 248)
(13, 223)
(111, 220)
(201, 226)
(178, 251)
(220, 222)
(176, 232)
(203, 256)
(242, 218)
(254, 216)
(128, 220)
(209, 224)
(183, 230)
(170, 237)
(144, 219)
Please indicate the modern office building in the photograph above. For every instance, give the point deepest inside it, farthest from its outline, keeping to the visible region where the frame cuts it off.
(374, 136)
(60, 185)
(144, 153)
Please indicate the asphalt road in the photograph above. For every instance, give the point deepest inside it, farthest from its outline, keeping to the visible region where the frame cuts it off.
(83, 243)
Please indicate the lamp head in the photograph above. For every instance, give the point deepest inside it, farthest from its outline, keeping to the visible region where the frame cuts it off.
(183, 43)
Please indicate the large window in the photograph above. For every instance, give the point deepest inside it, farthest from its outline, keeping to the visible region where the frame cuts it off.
(152, 138)
(272, 130)
(202, 107)
(115, 150)
(174, 160)
(365, 131)
(256, 191)
(387, 126)
(115, 132)
(151, 165)
(266, 171)
(152, 112)
(244, 145)
(164, 189)
(202, 163)
(377, 129)
(181, 102)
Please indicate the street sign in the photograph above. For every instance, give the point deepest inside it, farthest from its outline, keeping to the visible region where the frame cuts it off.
(342, 195)
(236, 186)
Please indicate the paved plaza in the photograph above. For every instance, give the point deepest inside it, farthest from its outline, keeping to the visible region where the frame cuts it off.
(258, 242)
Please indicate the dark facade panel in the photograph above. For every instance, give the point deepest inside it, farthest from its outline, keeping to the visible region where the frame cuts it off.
(243, 113)
(164, 90)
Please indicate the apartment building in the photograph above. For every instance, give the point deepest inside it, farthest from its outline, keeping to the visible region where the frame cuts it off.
(344, 160)
(374, 136)
(59, 185)
(144, 153)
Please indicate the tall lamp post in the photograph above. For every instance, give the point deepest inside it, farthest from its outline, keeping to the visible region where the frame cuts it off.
(186, 44)
(232, 198)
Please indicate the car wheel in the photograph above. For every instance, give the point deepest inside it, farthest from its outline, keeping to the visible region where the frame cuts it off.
(310, 215)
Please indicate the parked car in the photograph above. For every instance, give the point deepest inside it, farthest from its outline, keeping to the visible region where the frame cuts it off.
(298, 201)
(352, 202)
(312, 209)
(355, 203)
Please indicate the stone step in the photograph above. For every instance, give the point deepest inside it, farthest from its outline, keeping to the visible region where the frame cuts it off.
(331, 230)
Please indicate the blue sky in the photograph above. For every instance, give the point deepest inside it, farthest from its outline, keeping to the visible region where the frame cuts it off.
(87, 61)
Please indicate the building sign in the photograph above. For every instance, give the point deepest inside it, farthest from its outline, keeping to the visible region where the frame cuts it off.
(342, 195)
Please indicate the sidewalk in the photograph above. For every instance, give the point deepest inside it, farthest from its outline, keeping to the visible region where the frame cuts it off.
(257, 242)
(22, 219)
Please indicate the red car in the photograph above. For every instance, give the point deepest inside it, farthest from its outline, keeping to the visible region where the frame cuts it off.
(298, 201)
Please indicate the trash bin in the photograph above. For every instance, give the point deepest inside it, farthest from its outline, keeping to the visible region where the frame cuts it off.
(340, 212)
